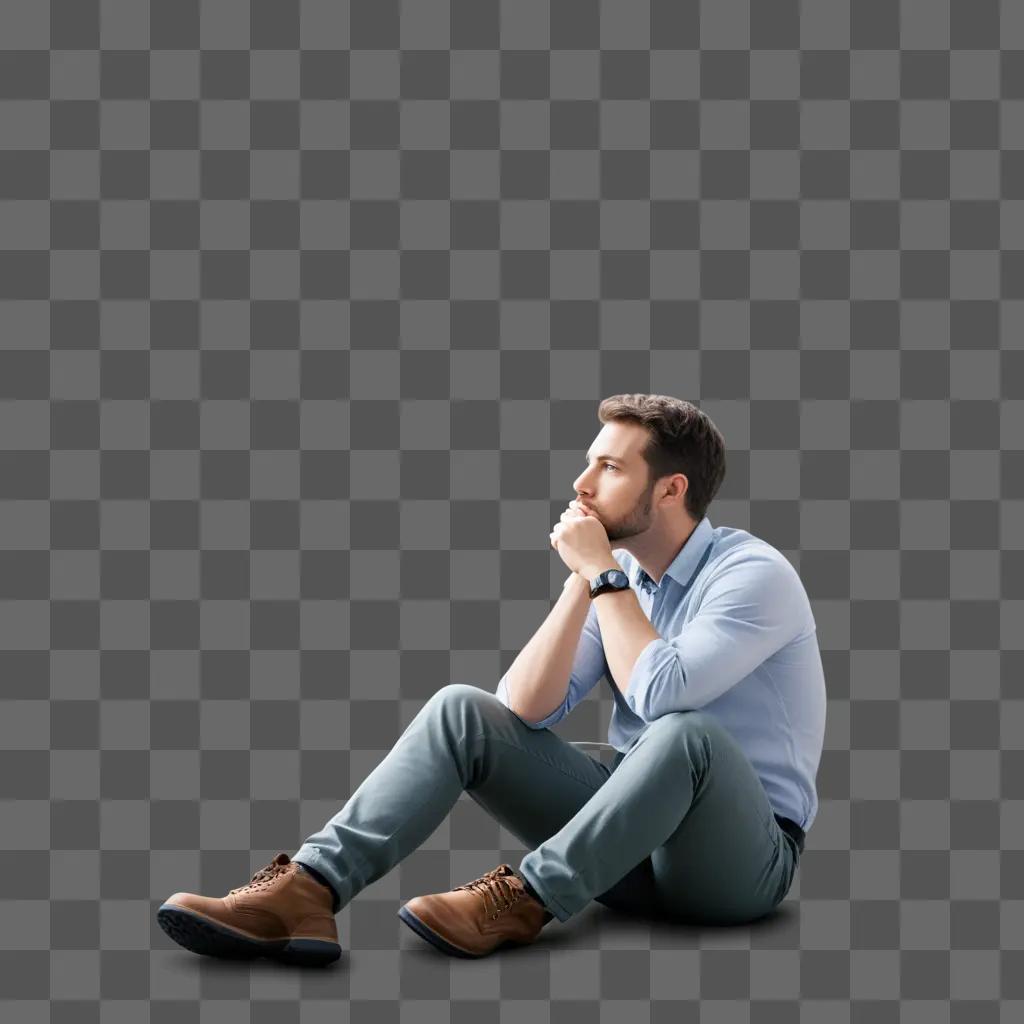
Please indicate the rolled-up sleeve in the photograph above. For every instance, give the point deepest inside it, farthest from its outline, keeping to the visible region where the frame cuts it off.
(750, 610)
(560, 712)
(588, 667)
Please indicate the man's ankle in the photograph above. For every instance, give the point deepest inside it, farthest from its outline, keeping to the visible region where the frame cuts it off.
(316, 876)
(533, 892)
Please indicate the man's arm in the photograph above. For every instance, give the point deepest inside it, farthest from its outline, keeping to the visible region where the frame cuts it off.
(625, 628)
(751, 609)
(538, 680)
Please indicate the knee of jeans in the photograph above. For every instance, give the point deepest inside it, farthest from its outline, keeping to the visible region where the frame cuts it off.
(458, 694)
(680, 728)
(683, 721)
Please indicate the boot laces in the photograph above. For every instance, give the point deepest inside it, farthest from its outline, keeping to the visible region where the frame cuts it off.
(501, 885)
(267, 874)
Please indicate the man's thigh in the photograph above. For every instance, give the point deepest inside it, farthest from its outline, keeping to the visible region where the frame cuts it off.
(728, 861)
(530, 780)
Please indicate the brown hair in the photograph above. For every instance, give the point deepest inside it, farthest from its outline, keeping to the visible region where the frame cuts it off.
(682, 440)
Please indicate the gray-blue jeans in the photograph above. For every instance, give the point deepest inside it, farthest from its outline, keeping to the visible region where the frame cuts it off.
(678, 828)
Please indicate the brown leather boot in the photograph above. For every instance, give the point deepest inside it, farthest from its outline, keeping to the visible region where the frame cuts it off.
(479, 917)
(282, 913)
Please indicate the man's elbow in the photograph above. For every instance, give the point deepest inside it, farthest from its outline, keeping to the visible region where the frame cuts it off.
(533, 725)
(541, 721)
(535, 721)
(664, 693)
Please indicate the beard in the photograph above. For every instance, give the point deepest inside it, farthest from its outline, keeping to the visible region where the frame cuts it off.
(637, 520)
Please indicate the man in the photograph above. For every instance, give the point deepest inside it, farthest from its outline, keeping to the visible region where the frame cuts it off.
(708, 641)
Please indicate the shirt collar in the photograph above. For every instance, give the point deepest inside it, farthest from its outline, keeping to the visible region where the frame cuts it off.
(685, 565)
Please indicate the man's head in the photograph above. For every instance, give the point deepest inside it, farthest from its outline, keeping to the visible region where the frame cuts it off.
(655, 466)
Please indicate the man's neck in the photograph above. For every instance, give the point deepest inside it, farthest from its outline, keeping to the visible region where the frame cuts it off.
(657, 555)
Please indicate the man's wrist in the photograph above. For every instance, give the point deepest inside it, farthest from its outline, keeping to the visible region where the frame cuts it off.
(578, 582)
(588, 572)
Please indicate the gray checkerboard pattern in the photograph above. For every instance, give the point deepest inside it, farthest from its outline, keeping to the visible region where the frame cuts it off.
(305, 310)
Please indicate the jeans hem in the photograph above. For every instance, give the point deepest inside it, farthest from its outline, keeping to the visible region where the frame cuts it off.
(549, 901)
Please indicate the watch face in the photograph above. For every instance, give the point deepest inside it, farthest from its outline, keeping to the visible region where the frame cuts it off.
(612, 578)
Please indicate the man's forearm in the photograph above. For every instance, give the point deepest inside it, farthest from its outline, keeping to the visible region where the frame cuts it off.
(625, 629)
(538, 679)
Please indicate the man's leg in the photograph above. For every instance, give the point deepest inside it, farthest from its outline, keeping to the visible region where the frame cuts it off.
(729, 861)
(682, 829)
(463, 739)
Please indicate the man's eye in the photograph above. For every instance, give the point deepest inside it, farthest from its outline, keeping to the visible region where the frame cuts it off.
(609, 465)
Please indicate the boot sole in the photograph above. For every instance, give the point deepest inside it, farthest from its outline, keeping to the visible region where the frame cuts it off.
(201, 935)
(424, 931)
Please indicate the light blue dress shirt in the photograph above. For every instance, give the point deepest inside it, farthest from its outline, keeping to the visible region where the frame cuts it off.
(737, 638)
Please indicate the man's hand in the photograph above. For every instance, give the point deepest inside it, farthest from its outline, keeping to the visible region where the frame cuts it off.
(580, 539)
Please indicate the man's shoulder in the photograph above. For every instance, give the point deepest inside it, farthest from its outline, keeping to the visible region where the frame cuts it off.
(736, 546)
(742, 552)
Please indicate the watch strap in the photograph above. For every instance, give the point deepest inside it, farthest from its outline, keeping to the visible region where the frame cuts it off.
(601, 584)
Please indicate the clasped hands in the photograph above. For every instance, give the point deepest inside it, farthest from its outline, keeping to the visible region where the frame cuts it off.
(581, 541)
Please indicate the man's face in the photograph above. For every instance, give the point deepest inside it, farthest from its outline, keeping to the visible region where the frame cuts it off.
(616, 483)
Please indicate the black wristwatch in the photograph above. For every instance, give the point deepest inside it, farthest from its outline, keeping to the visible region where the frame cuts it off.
(610, 579)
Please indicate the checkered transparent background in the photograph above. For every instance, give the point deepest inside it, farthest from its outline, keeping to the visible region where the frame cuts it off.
(305, 312)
